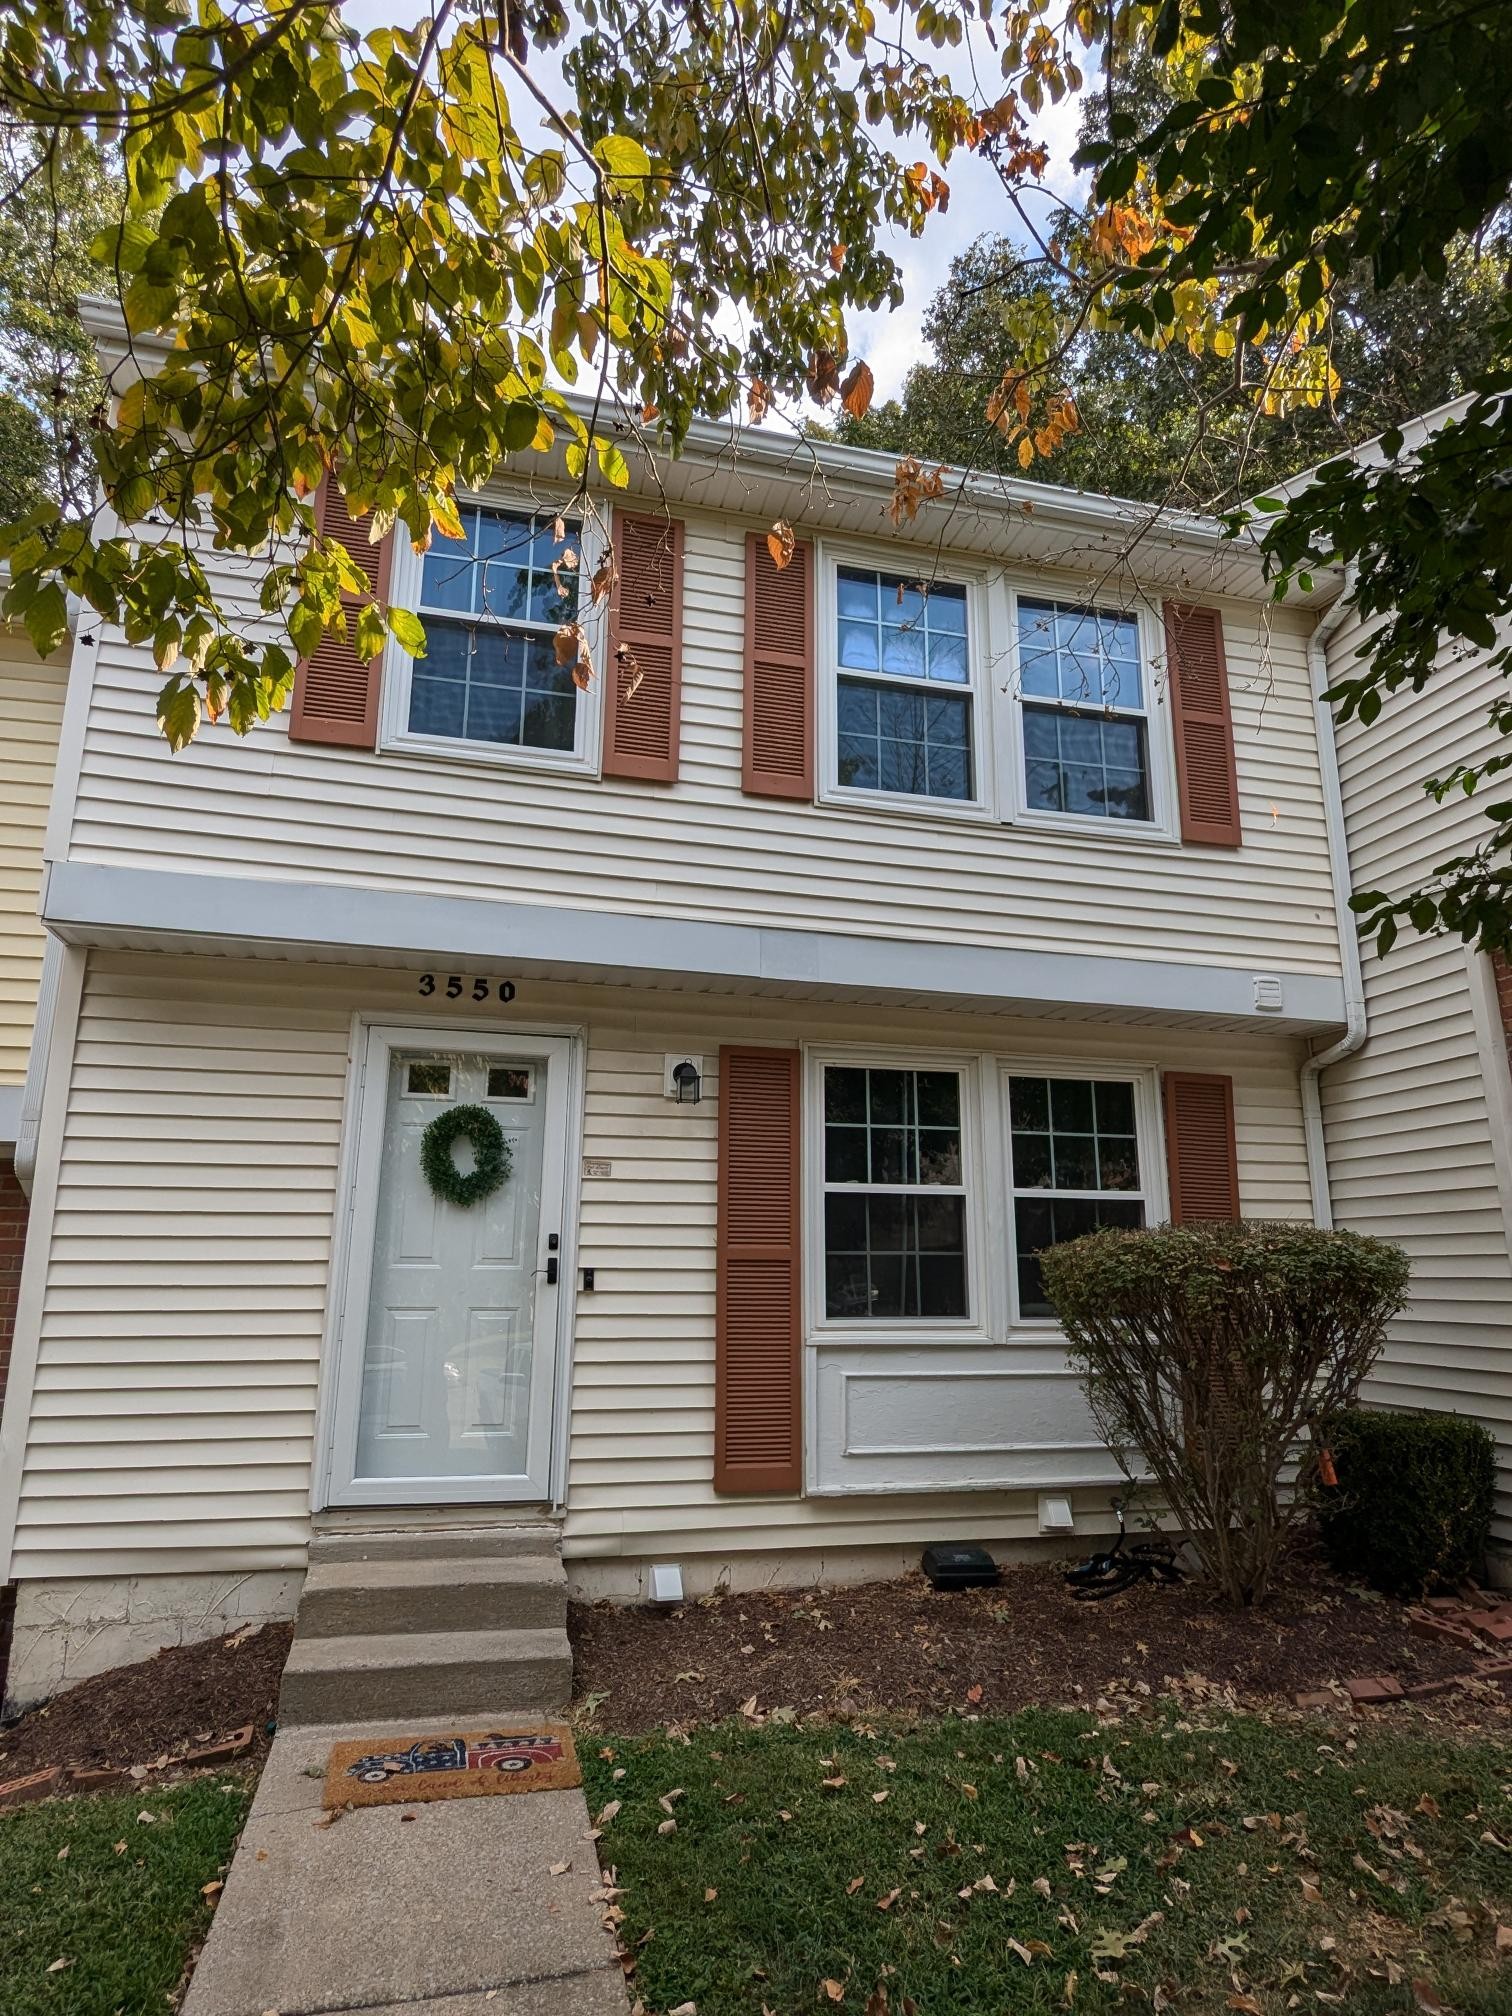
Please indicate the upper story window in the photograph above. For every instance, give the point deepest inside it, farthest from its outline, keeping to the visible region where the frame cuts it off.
(491, 603)
(905, 708)
(894, 1194)
(1086, 735)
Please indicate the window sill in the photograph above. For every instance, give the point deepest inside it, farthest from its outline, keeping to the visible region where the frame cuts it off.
(483, 755)
(1138, 833)
(900, 805)
(1027, 1334)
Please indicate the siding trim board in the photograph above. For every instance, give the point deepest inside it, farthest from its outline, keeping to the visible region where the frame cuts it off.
(158, 909)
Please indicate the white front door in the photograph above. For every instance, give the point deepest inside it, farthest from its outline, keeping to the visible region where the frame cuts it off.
(447, 1339)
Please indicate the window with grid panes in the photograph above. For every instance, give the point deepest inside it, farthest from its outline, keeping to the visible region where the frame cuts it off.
(491, 603)
(894, 1195)
(1075, 1158)
(1084, 702)
(903, 686)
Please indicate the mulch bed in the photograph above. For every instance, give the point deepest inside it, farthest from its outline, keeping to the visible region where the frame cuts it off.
(157, 1709)
(903, 1647)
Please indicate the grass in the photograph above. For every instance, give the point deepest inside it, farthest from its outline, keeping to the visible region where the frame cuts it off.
(1199, 1864)
(118, 1899)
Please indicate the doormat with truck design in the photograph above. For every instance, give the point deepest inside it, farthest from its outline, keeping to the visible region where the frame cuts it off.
(397, 1772)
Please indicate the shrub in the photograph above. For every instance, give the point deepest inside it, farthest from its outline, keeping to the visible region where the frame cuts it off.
(1209, 1348)
(1413, 1503)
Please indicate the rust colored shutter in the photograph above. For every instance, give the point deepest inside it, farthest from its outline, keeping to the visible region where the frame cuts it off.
(778, 760)
(643, 679)
(335, 693)
(758, 1434)
(1200, 1151)
(1206, 779)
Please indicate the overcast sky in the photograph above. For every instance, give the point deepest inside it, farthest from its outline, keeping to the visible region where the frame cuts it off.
(890, 342)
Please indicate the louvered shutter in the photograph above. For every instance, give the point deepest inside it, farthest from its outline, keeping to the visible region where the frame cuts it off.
(1200, 1150)
(335, 692)
(758, 1435)
(643, 678)
(778, 760)
(1206, 779)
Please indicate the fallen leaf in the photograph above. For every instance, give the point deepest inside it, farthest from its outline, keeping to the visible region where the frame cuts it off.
(1311, 1894)
(834, 1989)
(1246, 2005)
(211, 1889)
(886, 1903)
(667, 1827)
(684, 2009)
(878, 1797)
(1428, 1998)
(854, 1885)
(974, 1694)
(608, 1813)
(710, 1895)
(665, 1801)
(558, 1868)
(1068, 1993)
(1429, 1805)
(146, 1819)
(120, 1848)
(58, 1966)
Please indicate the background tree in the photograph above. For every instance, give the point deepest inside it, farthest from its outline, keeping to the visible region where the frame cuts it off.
(1157, 422)
(50, 382)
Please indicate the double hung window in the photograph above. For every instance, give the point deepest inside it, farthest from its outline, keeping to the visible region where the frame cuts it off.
(491, 603)
(1074, 1151)
(904, 705)
(1086, 734)
(894, 1195)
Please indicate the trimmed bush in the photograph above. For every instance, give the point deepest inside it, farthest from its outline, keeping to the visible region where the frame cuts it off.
(1413, 1503)
(1209, 1349)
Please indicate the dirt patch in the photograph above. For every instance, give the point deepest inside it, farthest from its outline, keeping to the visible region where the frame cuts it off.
(902, 1646)
(158, 1708)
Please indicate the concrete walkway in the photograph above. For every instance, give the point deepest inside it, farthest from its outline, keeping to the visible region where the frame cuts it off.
(446, 1909)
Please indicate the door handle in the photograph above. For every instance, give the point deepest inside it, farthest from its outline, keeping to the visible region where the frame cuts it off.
(551, 1272)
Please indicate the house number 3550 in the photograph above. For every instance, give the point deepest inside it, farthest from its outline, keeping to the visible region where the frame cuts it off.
(454, 987)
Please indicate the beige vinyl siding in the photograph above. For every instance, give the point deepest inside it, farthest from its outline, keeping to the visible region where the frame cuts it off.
(179, 1364)
(1408, 1125)
(266, 807)
(31, 712)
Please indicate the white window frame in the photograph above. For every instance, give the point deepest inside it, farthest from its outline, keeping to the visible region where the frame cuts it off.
(1149, 1146)
(832, 555)
(983, 1302)
(405, 574)
(1160, 827)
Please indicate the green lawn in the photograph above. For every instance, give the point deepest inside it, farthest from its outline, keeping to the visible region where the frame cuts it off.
(1205, 1864)
(118, 1898)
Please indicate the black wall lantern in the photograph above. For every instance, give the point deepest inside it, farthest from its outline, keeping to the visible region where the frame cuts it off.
(688, 1083)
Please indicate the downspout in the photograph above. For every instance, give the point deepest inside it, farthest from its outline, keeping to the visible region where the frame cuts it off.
(1349, 937)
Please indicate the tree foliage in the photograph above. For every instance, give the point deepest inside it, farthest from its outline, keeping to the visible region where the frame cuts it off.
(377, 258)
(1208, 1349)
(51, 212)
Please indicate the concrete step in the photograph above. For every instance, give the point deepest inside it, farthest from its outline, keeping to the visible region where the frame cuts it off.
(436, 1543)
(378, 1676)
(513, 1592)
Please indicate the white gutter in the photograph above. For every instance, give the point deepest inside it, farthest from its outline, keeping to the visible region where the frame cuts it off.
(1349, 937)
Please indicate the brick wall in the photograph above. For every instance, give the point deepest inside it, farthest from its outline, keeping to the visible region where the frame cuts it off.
(1501, 966)
(12, 1239)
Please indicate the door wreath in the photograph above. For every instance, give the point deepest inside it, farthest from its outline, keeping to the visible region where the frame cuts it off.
(464, 1123)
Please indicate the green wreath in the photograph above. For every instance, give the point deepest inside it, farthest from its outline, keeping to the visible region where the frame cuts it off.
(464, 1123)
